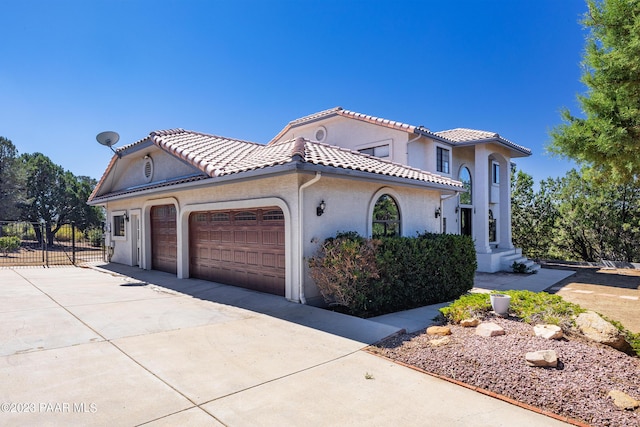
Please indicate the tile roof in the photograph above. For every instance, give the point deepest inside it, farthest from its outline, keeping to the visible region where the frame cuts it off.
(463, 135)
(339, 111)
(216, 156)
(453, 136)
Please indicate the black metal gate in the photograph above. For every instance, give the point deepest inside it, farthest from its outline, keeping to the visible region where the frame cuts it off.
(27, 243)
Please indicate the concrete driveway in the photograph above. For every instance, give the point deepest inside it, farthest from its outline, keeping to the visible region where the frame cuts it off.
(81, 346)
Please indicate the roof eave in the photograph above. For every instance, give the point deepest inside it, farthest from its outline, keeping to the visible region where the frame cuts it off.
(377, 177)
(429, 134)
(278, 170)
(500, 141)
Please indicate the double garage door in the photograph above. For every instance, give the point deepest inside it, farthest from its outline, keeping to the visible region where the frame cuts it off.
(237, 247)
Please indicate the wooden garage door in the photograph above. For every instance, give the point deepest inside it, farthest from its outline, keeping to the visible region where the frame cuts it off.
(164, 238)
(239, 247)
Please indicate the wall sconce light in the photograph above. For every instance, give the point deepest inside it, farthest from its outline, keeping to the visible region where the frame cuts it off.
(438, 212)
(320, 208)
(457, 209)
(126, 217)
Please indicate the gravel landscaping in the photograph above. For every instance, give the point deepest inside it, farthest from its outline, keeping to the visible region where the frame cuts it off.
(577, 389)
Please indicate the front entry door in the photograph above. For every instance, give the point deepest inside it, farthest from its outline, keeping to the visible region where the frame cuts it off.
(465, 221)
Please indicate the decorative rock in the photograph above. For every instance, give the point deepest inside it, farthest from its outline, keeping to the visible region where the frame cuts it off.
(489, 330)
(550, 332)
(439, 342)
(542, 358)
(623, 400)
(439, 330)
(469, 323)
(599, 330)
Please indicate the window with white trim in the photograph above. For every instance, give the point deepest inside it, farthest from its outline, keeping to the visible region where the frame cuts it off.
(381, 151)
(386, 217)
(465, 178)
(442, 160)
(495, 173)
(119, 228)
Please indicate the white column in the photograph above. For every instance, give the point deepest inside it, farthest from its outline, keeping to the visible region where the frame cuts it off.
(481, 185)
(505, 205)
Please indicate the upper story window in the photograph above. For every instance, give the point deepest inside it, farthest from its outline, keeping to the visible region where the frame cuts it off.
(442, 160)
(495, 173)
(386, 217)
(465, 178)
(381, 151)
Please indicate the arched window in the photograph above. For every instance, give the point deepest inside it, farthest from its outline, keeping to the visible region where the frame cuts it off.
(465, 178)
(386, 217)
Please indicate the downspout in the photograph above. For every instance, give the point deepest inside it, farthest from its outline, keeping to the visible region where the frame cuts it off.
(303, 300)
(409, 142)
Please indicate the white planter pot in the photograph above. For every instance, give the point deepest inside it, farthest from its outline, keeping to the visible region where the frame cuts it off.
(500, 303)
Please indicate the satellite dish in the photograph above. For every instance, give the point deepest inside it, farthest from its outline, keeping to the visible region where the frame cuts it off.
(108, 138)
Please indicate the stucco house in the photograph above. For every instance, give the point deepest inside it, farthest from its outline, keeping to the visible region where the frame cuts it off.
(248, 214)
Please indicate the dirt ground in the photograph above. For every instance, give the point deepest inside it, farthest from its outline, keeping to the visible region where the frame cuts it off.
(612, 292)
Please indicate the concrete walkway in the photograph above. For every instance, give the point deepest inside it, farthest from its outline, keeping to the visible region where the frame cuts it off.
(129, 347)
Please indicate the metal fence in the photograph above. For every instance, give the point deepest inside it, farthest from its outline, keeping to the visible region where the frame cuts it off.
(35, 244)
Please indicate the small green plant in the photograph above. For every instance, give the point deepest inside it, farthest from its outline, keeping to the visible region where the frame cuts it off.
(467, 306)
(531, 307)
(368, 376)
(521, 268)
(9, 244)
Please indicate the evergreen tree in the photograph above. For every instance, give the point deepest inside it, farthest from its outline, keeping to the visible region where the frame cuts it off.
(608, 137)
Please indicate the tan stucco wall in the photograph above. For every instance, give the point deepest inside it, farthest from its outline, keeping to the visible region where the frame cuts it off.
(129, 170)
(349, 204)
(355, 135)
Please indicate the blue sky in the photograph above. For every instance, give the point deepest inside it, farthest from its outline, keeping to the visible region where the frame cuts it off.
(245, 68)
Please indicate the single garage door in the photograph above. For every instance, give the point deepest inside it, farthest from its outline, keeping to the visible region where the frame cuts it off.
(239, 247)
(164, 238)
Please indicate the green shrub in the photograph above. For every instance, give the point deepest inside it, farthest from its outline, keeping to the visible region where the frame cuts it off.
(9, 244)
(467, 306)
(373, 277)
(531, 307)
(23, 230)
(343, 269)
(95, 236)
(521, 268)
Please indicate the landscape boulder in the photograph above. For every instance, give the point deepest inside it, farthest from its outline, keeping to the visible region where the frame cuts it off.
(623, 400)
(470, 323)
(542, 358)
(599, 330)
(439, 330)
(489, 329)
(550, 332)
(439, 342)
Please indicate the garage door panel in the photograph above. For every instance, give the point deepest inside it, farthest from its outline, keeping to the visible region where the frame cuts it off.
(246, 248)
(252, 258)
(252, 237)
(226, 255)
(164, 238)
(269, 260)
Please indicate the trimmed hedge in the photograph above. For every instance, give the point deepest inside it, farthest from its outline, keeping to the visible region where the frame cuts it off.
(370, 277)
